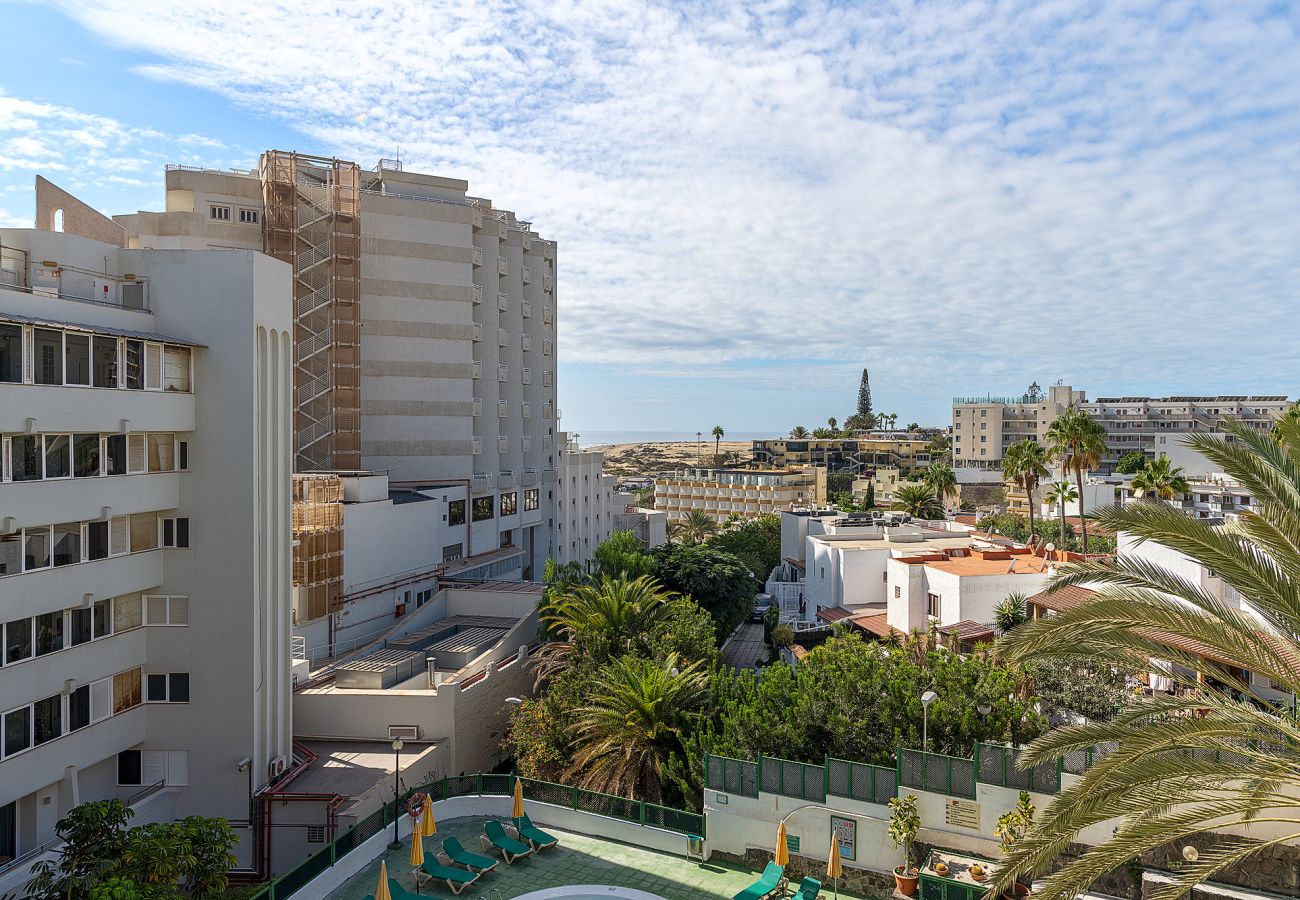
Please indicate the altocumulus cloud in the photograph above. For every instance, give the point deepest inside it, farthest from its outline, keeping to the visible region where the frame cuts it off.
(979, 191)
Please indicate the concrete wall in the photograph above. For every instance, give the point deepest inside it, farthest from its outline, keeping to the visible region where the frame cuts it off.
(73, 216)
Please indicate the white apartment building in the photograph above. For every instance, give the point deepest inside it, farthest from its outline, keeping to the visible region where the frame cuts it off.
(145, 460)
(425, 339)
(983, 427)
(586, 511)
(747, 493)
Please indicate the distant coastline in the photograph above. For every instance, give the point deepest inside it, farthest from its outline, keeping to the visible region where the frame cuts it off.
(606, 438)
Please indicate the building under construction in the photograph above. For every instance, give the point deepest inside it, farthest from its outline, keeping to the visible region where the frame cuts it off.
(317, 545)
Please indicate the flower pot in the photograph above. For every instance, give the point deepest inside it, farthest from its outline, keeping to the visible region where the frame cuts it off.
(1017, 891)
(977, 873)
(941, 868)
(905, 880)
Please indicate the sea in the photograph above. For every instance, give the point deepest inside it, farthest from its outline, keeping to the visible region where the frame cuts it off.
(599, 438)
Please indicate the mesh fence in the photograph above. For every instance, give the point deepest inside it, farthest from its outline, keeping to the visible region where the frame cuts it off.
(546, 792)
(608, 805)
(939, 774)
(859, 781)
(1076, 762)
(674, 819)
(997, 765)
(787, 778)
(732, 776)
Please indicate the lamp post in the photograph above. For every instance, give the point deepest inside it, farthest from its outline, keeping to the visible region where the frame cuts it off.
(397, 790)
(926, 699)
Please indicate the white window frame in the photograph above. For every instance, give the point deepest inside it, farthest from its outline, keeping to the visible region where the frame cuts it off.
(248, 215)
(219, 212)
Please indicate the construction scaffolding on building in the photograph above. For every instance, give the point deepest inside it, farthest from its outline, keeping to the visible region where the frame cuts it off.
(317, 546)
(312, 221)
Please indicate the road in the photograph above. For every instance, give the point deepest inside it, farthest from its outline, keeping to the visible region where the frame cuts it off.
(746, 649)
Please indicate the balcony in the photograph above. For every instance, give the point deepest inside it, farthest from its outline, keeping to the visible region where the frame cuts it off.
(528, 275)
(478, 256)
(548, 316)
(478, 369)
(33, 503)
(526, 308)
(503, 266)
(503, 302)
(478, 331)
(55, 408)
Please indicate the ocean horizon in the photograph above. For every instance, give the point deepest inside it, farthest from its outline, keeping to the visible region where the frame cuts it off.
(599, 438)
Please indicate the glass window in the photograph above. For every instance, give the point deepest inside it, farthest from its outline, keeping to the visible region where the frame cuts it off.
(36, 549)
(183, 455)
(102, 610)
(115, 455)
(48, 714)
(11, 353)
(79, 627)
(25, 457)
(456, 512)
(105, 362)
(49, 356)
(18, 730)
(484, 508)
(96, 540)
(67, 544)
(11, 554)
(178, 687)
(156, 686)
(135, 365)
(128, 767)
(509, 503)
(49, 633)
(76, 358)
(126, 690)
(58, 456)
(162, 456)
(79, 708)
(144, 532)
(85, 455)
(176, 369)
(18, 640)
(531, 499)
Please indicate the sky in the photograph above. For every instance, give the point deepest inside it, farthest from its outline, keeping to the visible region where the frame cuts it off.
(755, 200)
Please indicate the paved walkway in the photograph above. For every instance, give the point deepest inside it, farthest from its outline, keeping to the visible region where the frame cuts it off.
(578, 860)
(746, 647)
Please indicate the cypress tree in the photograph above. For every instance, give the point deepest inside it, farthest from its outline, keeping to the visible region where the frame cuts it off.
(864, 397)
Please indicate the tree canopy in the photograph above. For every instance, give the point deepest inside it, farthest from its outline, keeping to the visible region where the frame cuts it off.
(755, 542)
(715, 579)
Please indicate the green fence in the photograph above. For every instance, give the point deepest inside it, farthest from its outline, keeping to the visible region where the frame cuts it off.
(731, 776)
(860, 781)
(787, 778)
(939, 774)
(997, 765)
(608, 805)
(1076, 762)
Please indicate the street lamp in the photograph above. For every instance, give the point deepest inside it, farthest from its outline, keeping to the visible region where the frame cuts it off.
(397, 789)
(926, 699)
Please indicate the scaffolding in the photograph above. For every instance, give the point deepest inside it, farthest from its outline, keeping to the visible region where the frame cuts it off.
(312, 221)
(317, 545)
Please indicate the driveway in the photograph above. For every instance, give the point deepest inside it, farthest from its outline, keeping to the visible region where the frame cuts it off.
(746, 649)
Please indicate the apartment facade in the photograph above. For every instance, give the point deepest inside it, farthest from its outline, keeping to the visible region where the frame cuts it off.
(586, 511)
(858, 455)
(747, 493)
(425, 342)
(983, 427)
(145, 464)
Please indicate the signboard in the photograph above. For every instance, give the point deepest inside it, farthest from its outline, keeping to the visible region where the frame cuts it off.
(962, 813)
(846, 832)
(792, 843)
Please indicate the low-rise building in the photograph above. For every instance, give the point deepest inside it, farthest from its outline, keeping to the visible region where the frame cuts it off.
(746, 493)
(885, 482)
(857, 455)
(649, 526)
(960, 585)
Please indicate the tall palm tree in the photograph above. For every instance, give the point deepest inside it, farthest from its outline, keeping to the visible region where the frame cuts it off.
(695, 528)
(1025, 465)
(919, 501)
(1079, 442)
(1161, 479)
(940, 478)
(1060, 494)
(798, 431)
(636, 717)
(1218, 755)
(823, 433)
(717, 439)
(599, 620)
(833, 424)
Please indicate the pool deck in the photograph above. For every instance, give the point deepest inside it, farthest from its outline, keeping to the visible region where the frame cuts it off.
(579, 859)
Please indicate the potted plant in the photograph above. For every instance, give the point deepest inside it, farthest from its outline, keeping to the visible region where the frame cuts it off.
(941, 868)
(1011, 827)
(904, 823)
(977, 872)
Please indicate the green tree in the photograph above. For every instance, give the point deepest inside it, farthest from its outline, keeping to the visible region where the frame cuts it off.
(634, 723)
(1062, 493)
(1216, 755)
(1011, 612)
(756, 543)
(694, 528)
(1161, 480)
(1025, 465)
(823, 433)
(597, 621)
(869, 502)
(716, 580)
(941, 480)
(1079, 442)
(938, 447)
(919, 501)
(833, 425)
(1131, 463)
(1291, 415)
(798, 432)
(717, 440)
(1082, 686)
(864, 411)
(621, 555)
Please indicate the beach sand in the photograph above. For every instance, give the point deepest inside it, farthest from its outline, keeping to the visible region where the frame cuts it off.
(646, 459)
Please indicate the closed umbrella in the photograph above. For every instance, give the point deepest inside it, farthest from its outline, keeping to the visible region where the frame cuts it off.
(417, 849)
(428, 827)
(517, 811)
(782, 851)
(833, 867)
(381, 889)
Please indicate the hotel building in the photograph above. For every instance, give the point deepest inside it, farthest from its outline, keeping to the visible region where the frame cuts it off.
(747, 493)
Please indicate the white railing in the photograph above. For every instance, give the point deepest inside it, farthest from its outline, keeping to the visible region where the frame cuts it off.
(298, 646)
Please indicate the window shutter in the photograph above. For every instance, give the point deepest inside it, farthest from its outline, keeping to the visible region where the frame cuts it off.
(119, 535)
(180, 611)
(101, 700)
(155, 610)
(153, 766)
(178, 767)
(136, 456)
(29, 356)
(153, 356)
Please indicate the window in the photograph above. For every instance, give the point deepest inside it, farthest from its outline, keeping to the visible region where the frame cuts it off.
(134, 365)
(18, 730)
(88, 624)
(127, 613)
(183, 455)
(456, 512)
(453, 552)
(221, 214)
(169, 688)
(25, 458)
(509, 504)
(162, 452)
(104, 362)
(315, 834)
(933, 604)
(531, 499)
(484, 508)
(128, 767)
(67, 544)
(126, 690)
(76, 358)
(36, 549)
(115, 454)
(11, 554)
(167, 610)
(96, 540)
(247, 216)
(79, 708)
(48, 718)
(144, 532)
(18, 641)
(423, 597)
(176, 532)
(58, 456)
(11, 353)
(49, 633)
(49, 356)
(85, 455)
(176, 369)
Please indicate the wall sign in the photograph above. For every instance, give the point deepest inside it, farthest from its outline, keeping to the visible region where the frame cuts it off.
(846, 832)
(961, 813)
(792, 843)
(721, 798)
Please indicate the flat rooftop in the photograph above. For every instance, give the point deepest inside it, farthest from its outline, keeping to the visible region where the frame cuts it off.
(351, 768)
(906, 544)
(968, 566)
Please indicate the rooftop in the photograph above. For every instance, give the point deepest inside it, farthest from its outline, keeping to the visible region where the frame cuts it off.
(1000, 564)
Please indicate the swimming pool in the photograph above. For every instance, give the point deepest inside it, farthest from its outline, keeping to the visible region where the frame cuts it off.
(589, 892)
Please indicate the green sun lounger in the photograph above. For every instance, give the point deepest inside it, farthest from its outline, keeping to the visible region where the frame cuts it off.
(398, 892)
(809, 889)
(539, 839)
(475, 862)
(494, 836)
(769, 882)
(457, 879)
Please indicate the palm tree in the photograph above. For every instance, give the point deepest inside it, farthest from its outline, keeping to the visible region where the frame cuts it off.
(823, 433)
(638, 712)
(919, 501)
(1025, 465)
(1061, 493)
(940, 478)
(1217, 756)
(1010, 612)
(695, 528)
(833, 424)
(1161, 479)
(1076, 439)
(599, 620)
(798, 432)
(717, 439)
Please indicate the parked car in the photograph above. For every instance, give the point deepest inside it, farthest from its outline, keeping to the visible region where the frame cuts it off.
(761, 606)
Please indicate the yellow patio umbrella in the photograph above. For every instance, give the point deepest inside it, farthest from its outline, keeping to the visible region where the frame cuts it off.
(517, 811)
(782, 850)
(428, 827)
(833, 867)
(381, 889)
(417, 848)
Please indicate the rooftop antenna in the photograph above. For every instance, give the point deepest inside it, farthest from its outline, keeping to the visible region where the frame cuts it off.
(1049, 550)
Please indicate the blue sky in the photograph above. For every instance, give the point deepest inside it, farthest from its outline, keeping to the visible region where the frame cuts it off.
(754, 200)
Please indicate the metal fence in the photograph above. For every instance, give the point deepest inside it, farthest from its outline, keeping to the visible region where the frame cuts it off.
(1076, 762)
(731, 776)
(860, 781)
(939, 774)
(997, 765)
(787, 778)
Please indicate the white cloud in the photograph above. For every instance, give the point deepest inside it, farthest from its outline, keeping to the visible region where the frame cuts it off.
(979, 194)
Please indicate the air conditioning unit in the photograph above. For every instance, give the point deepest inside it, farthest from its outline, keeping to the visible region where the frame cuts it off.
(277, 767)
(404, 732)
